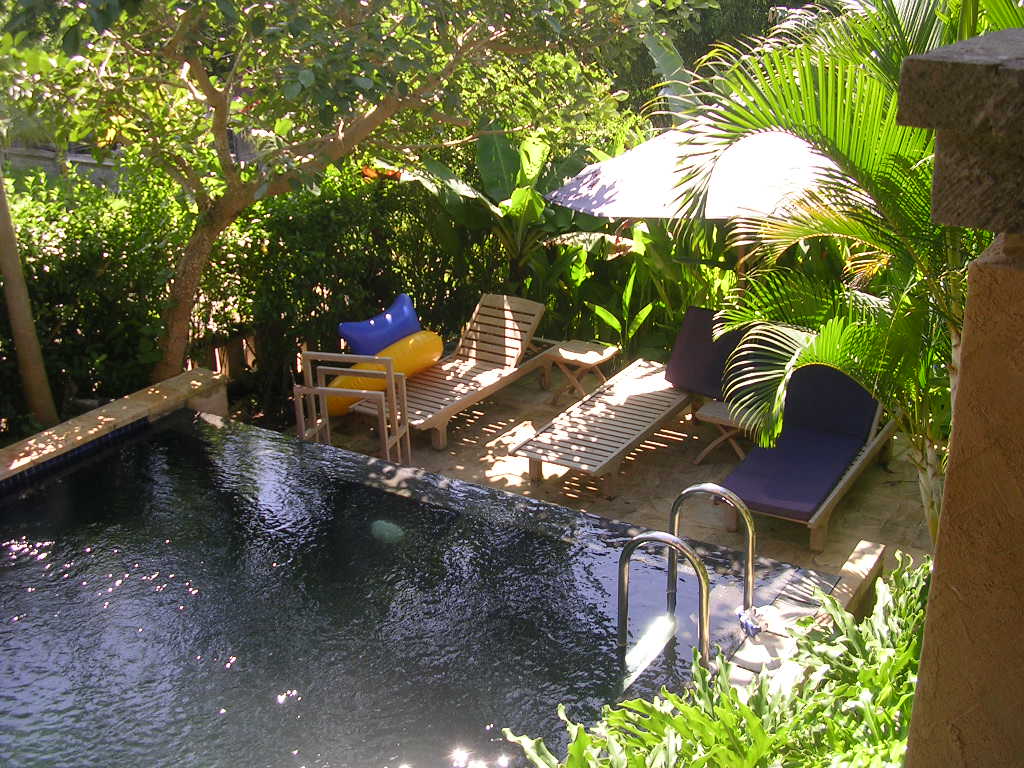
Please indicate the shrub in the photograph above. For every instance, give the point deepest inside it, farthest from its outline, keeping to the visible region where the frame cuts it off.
(852, 708)
(96, 265)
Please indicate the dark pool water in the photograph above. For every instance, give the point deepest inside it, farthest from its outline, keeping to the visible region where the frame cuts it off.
(204, 596)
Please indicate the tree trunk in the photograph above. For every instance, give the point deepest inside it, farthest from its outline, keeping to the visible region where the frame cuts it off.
(954, 362)
(930, 483)
(34, 383)
(178, 313)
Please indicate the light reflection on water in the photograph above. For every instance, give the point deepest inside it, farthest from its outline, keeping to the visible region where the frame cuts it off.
(216, 598)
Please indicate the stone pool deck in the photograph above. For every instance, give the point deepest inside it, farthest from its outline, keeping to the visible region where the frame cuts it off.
(882, 507)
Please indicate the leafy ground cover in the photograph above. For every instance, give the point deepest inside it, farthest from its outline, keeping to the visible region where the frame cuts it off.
(851, 709)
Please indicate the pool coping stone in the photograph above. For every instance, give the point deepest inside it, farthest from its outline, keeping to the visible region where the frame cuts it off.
(199, 389)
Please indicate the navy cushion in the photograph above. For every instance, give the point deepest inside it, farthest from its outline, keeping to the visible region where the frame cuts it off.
(823, 399)
(793, 478)
(698, 361)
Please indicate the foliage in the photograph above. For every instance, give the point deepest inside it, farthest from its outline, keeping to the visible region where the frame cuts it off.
(286, 273)
(852, 708)
(96, 266)
(243, 102)
(831, 77)
(624, 320)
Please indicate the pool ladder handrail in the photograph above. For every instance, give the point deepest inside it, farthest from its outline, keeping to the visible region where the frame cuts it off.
(675, 547)
(719, 494)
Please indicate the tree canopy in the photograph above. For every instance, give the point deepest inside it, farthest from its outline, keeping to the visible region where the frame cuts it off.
(239, 102)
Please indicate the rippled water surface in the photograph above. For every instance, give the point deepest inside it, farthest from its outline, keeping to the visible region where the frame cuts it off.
(217, 597)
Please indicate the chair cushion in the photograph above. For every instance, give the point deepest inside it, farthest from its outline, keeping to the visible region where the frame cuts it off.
(698, 360)
(824, 399)
(792, 479)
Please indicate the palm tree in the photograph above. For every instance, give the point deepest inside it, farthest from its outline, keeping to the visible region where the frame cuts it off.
(830, 76)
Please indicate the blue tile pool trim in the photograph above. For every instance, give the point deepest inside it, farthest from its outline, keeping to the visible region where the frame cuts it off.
(36, 472)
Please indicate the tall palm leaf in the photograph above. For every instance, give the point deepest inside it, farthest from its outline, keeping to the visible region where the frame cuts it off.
(830, 77)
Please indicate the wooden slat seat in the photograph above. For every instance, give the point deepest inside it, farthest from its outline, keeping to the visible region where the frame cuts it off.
(595, 434)
(489, 356)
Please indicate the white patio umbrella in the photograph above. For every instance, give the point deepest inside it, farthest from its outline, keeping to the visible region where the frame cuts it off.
(756, 175)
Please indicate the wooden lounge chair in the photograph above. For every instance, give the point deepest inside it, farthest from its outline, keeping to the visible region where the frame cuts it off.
(831, 431)
(312, 415)
(490, 355)
(595, 434)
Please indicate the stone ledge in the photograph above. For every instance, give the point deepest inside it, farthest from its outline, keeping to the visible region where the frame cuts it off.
(974, 85)
(768, 654)
(199, 389)
(858, 576)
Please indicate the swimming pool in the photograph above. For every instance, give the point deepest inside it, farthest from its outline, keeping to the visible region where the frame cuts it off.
(205, 593)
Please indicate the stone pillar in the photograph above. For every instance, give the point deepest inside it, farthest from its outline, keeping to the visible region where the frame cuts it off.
(970, 691)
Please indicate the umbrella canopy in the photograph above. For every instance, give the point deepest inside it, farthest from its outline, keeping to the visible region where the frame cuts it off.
(756, 175)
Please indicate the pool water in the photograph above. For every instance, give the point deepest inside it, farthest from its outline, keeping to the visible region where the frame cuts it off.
(226, 596)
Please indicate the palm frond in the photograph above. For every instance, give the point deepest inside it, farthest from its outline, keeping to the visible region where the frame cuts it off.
(757, 374)
(782, 296)
(1002, 14)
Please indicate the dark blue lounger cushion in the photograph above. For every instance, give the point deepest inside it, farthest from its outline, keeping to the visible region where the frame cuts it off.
(827, 420)
(698, 361)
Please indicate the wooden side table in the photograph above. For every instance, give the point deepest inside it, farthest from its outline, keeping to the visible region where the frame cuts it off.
(716, 412)
(576, 359)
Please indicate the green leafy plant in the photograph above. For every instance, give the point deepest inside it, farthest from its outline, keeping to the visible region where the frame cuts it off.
(626, 322)
(852, 708)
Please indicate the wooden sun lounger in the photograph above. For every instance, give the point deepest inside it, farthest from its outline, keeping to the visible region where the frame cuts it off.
(832, 431)
(595, 434)
(489, 356)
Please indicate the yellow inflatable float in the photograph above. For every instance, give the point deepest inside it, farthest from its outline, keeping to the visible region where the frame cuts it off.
(410, 355)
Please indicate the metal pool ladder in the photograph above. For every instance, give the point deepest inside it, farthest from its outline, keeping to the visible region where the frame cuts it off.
(749, 620)
(676, 546)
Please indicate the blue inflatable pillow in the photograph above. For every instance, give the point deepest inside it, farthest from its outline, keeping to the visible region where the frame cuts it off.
(368, 337)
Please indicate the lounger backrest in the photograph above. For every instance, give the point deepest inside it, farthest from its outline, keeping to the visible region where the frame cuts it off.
(698, 360)
(825, 400)
(500, 330)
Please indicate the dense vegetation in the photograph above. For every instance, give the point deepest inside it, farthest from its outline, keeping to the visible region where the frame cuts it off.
(852, 708)
(101, 262)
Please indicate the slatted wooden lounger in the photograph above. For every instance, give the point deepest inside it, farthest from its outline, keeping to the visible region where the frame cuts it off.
(595, 434)
(489, 356)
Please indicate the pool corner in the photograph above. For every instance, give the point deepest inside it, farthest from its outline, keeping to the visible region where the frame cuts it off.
(199, 389)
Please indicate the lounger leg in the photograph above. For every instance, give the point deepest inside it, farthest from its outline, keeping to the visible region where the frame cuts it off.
(608, 484)
(545, 376)
(439, 437)
(536, 471)
(725, 434)
(732, 520)
(885, 453)
(818, 536)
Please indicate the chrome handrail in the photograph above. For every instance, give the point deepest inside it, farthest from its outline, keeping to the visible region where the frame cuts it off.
(734, 501)
(675, 547)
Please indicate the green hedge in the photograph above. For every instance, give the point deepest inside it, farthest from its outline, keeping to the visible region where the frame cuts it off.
(97, 262)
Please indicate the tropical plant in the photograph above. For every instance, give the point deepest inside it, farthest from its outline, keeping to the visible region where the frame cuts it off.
(510, 206)
(624, 320)
(852, 707)
(892, 345)
(240, 102)
(831, 78)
